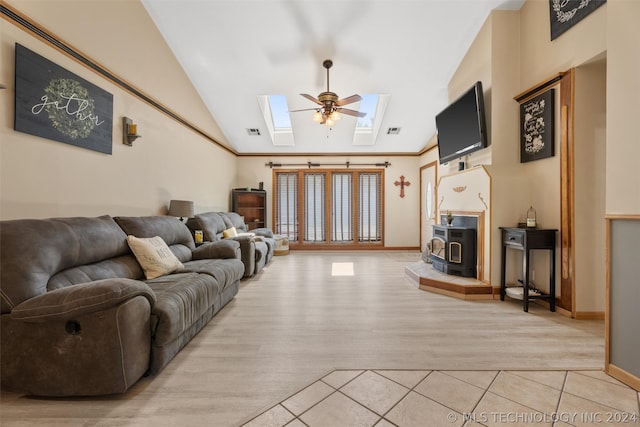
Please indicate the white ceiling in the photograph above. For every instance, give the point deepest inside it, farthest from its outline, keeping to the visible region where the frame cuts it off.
(235, 50)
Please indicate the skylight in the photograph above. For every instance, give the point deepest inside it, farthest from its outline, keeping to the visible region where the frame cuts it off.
(276, 117)
(280, 113)
(368, 104)
(367, 127)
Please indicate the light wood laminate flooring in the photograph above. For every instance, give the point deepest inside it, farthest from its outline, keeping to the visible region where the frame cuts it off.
(295, 322)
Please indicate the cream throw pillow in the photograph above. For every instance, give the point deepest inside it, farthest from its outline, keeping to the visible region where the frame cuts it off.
(154, 256)
(229, 232)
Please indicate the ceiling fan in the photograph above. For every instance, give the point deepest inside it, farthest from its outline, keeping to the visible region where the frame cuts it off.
(330, 106)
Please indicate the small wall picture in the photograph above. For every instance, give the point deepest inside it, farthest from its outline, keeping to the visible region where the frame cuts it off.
(53, 103)
(537, 127)
(565, 14)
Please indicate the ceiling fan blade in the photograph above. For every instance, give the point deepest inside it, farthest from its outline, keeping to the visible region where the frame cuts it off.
(311, 98)
(304, 109)
(349, 112)
(348, 100)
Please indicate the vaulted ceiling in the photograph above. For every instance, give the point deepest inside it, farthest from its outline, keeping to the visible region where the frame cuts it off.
(236, 52)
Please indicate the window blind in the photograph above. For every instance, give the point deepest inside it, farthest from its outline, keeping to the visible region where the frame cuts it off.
(286, 216)
(314, 207)
(341, 207)
(370, 207)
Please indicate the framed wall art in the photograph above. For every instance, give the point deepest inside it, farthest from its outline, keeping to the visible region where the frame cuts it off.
(565, 14)
(537, 127)
(53, 103)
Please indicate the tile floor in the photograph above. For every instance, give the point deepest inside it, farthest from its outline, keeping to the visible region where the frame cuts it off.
(384, 398)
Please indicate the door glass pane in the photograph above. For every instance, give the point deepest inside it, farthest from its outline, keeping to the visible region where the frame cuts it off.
(286, 217)
(370, 217)
(341, 207)
(314, 207)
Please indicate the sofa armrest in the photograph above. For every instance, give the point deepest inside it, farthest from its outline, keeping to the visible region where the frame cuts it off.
(221, 249)
(78, 300)
(265, 232)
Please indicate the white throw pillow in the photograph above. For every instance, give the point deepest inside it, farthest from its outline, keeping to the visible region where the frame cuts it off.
(154, 256)
(229, 232)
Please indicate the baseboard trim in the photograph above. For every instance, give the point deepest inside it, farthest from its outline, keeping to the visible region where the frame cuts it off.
(589, 315)
(622, 375)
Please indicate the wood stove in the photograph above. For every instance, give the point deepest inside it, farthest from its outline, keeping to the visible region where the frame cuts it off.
(453, 250)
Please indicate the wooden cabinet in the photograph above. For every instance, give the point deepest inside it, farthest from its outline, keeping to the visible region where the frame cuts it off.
(252, 205)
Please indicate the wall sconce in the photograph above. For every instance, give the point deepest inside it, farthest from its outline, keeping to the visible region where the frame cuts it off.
(129, 131)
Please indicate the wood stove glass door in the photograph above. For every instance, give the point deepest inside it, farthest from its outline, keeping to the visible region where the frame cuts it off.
(455, 252)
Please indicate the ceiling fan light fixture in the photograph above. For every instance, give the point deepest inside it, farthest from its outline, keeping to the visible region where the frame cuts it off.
(330, 103)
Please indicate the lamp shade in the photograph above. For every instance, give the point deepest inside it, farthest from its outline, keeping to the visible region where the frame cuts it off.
(181, 208)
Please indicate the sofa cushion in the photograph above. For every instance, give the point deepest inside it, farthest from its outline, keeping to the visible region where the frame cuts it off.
(173, 231)
(34, 250)
(181, 299)
(225, 271)
(154, 256)
(125, 266)
(233, 219)
(210, 223)
(229, 248)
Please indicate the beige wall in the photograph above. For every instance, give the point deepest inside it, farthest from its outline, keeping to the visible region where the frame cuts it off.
(493, 59)
(44, 178)
(402, 215)
(511, 53)
(623, 107)
(542, 58)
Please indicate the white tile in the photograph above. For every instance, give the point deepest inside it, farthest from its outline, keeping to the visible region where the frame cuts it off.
(529, 393)
(553, 379)
(615, 396)
(584, 412)
(375, 392)
(480, 379)
(416, 410)
(451, 392)
(407, 378)
(305, 399)
(274, 417)
(338, 378)
(296, 423)
(600, 375)
(339, 410)
(497, 411)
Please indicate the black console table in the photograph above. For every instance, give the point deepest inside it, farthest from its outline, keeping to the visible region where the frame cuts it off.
(526, 240)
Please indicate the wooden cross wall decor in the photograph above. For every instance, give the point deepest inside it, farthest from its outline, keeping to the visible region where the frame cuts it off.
(402, 183)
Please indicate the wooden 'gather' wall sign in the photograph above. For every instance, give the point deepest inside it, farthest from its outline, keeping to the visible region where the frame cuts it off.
(53, 103)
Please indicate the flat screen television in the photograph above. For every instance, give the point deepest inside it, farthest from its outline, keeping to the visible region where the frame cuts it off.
(462, 126)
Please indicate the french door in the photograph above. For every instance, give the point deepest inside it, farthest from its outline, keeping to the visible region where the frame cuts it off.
(334, 208)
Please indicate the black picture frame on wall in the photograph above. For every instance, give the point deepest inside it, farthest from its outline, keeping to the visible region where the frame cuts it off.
(52, 102)
(565, 14)
(537, 133)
